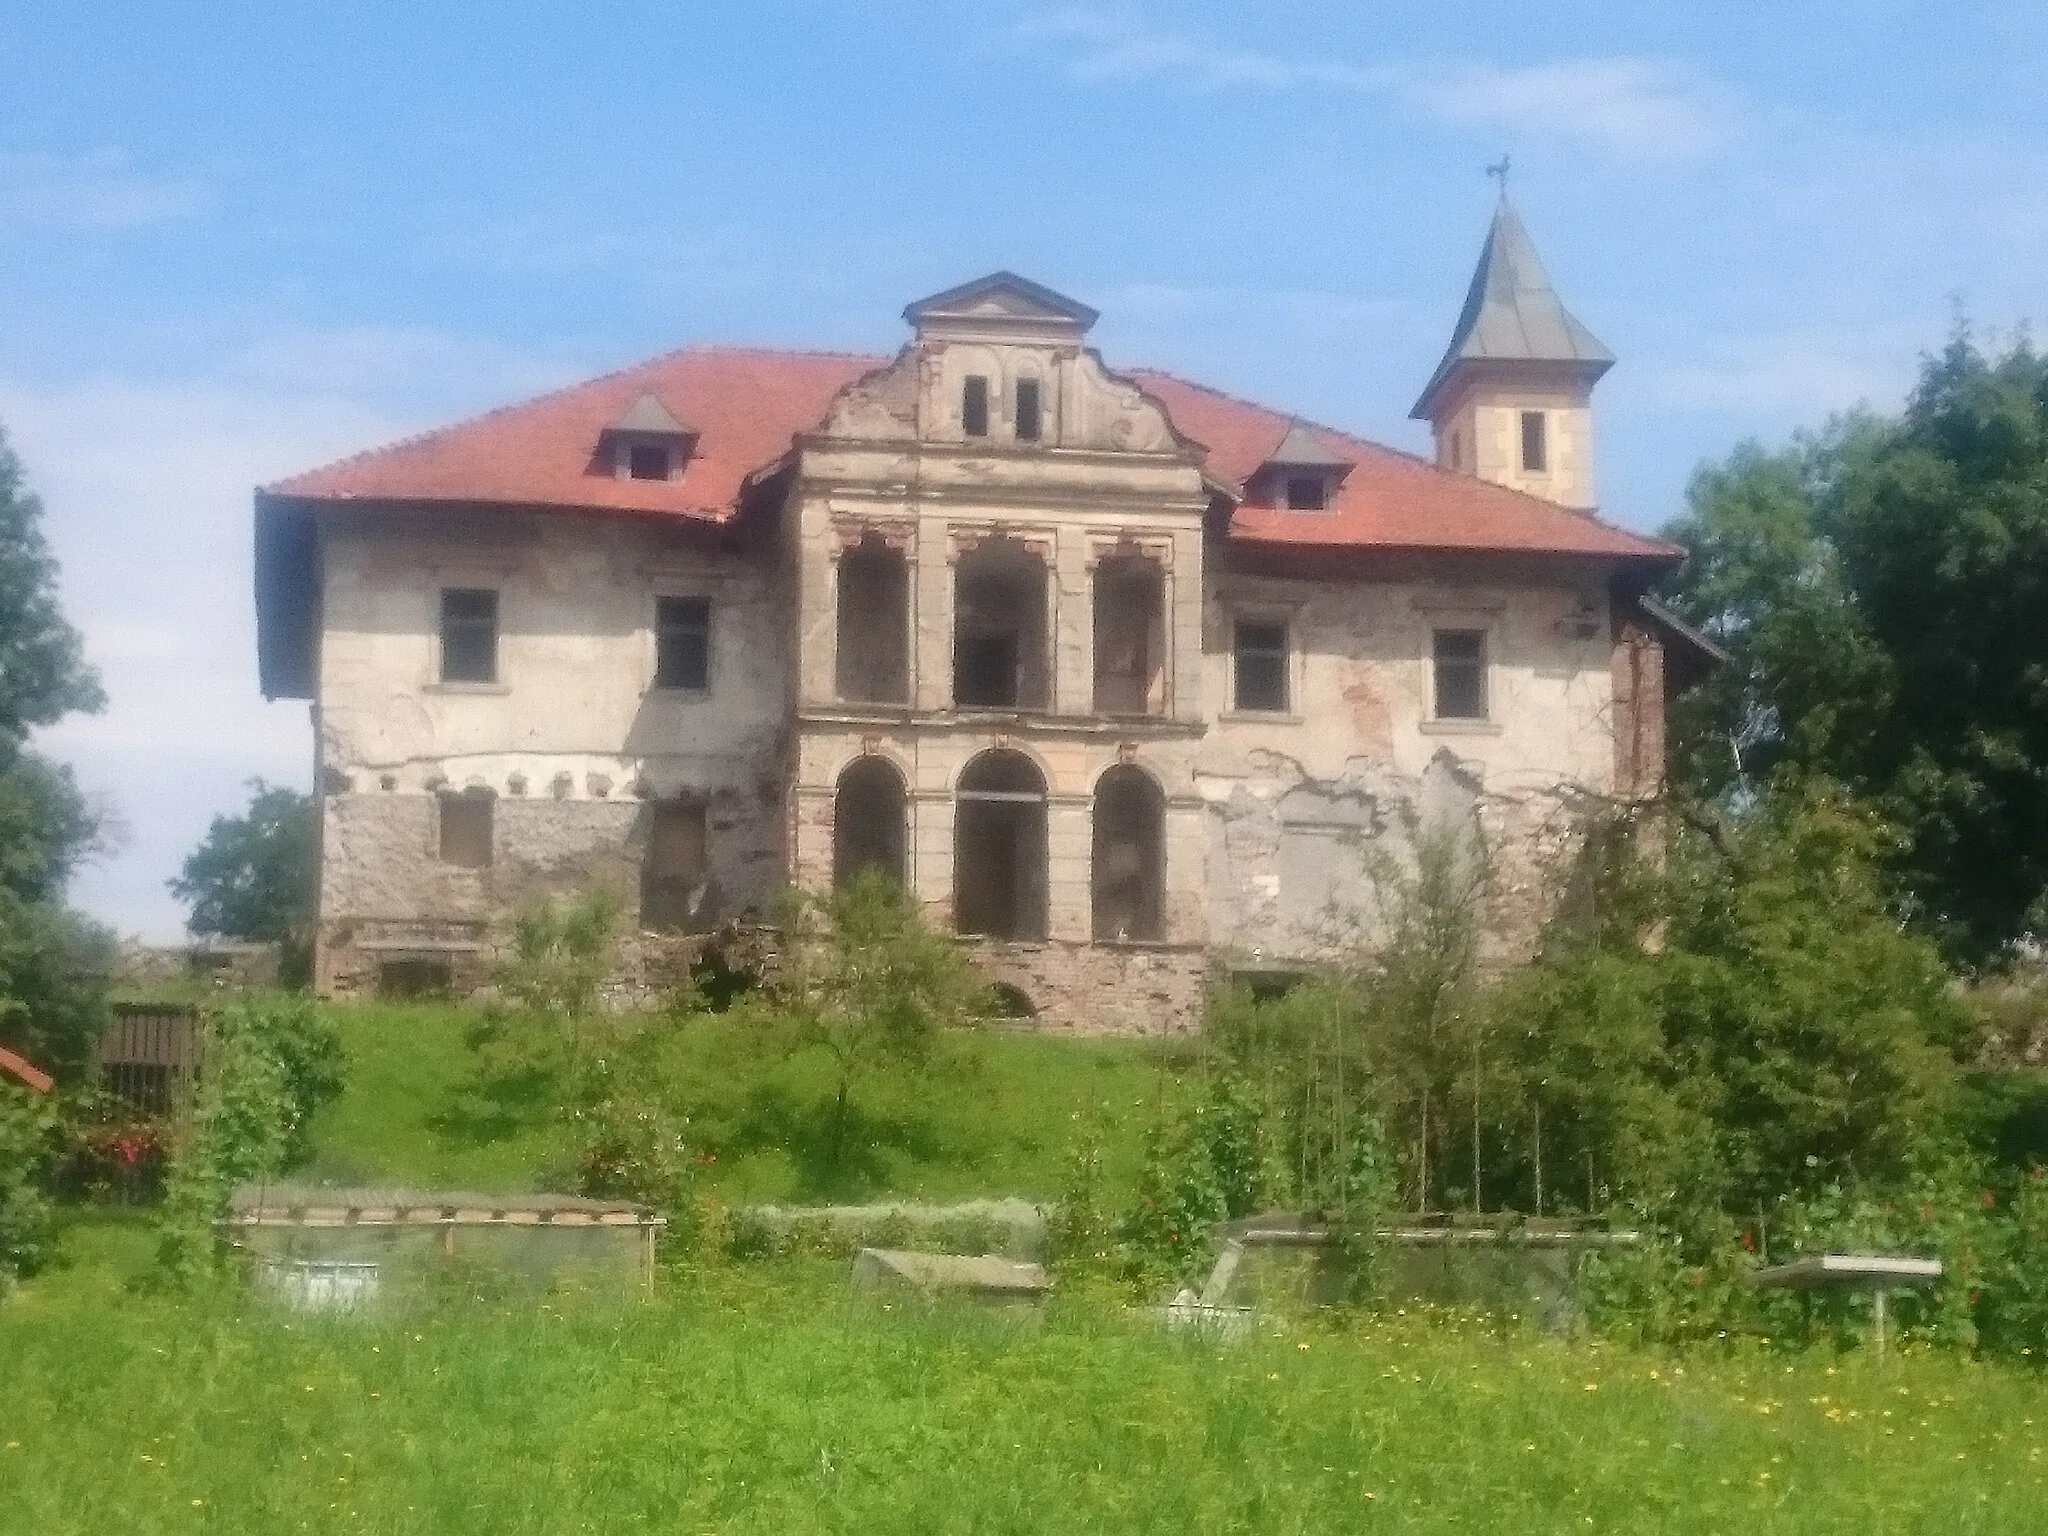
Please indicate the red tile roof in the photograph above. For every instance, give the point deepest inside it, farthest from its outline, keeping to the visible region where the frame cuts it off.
(1389, 499)
(748, 405)
(15, 1066)
(745, 406)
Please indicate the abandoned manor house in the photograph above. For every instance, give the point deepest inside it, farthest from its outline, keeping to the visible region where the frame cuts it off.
(1129, 682)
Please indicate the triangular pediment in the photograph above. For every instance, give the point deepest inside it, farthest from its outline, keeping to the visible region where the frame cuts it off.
(1002, 298)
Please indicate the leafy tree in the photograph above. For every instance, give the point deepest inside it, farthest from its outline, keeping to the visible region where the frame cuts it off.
(43, 675)
(1882, 587)
(252, 877)
(51, 960)
(865, 983)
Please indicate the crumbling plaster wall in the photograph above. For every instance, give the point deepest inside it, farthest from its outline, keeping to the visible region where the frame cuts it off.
(571, 739)
(1310, 811)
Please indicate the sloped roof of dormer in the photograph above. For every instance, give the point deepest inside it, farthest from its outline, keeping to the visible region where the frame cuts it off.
(1512, 313)
(1002, 295)
(650, 418)
(1302, 449)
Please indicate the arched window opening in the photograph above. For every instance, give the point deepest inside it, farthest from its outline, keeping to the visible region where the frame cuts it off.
(868, 822)
(874, 624)
(999, 850)
(1129, 864)
(1000, 656)
(1130, 636)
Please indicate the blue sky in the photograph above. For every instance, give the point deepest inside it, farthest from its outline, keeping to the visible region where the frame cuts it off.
(238, 240)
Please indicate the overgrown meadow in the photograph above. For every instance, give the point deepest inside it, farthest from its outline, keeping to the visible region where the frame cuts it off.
(766, 1398)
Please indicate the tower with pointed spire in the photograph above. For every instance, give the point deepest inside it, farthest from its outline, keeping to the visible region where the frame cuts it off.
(1512, 400)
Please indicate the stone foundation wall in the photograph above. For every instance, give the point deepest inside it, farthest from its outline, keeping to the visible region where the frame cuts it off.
(1101, 989)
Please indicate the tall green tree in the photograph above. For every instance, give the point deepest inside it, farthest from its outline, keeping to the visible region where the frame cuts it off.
(1884, 589)
(50, 958)
(252, 876)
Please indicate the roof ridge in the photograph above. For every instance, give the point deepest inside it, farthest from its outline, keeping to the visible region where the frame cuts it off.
(428, 434)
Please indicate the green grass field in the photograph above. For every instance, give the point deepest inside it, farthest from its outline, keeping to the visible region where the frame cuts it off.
(766, 1399)
(998, 1112)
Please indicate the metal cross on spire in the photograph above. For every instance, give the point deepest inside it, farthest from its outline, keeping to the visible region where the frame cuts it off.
(1499, 172)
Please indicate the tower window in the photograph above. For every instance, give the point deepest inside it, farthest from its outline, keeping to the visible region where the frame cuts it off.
(1457, 449)
(1535, 450)
(1306, 493)
(1260, 666)
(647, 461)
(1459, 661)
(682, 642)
(469, 635)
(974, 406)
(1028, 422)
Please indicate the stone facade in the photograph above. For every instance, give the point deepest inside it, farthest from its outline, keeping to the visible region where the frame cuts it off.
(984, 629)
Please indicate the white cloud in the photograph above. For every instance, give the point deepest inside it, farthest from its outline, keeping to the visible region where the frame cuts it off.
(146, 485)
(1640, 108)
(95, 192)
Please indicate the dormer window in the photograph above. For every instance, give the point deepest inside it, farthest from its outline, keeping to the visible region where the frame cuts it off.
(1301, 474)
(646, 443)
(974, 406)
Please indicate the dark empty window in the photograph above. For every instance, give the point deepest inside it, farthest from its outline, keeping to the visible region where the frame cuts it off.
(682, 642)
(1460, 662)
(1261, 665)
(1027, 410)
(647, 461)
(1535, 451)
(466, 831)
(469, 635)
(1305, 493)
(986, 667)
(974, 406)
(674, 879)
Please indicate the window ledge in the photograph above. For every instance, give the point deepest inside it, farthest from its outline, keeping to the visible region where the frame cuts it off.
(1461, 727)
(678, 691)
(1259, 717)
(483, 688)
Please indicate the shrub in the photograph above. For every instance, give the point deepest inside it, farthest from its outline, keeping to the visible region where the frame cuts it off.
(270, 1064)
(28, 1127)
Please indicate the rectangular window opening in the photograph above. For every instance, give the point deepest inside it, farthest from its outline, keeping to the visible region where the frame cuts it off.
(465, 832)
(1459, 657)
(1306, 493)
(682, 642)
(1260, 666)
(974, 406)
(469, 635)
(1130, 637)
(1535, 450)
(1028, 424)
(674, 881)
(648, 461)
(1001, 654)
(873, 662)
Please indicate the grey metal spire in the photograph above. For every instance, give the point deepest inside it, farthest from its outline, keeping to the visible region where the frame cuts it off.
(1512, 313)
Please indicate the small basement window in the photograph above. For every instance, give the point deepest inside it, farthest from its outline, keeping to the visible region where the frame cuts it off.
(648, 461)
(1029, 424)
(1306, 493)
(682, 642)
(1535, 449)
(465, 833)
(1260, 666)
(974, 406)
(1459, 658)
(469, 635)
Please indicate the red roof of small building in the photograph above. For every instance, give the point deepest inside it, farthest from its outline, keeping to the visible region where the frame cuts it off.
(746, 406)
(16, 1066)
